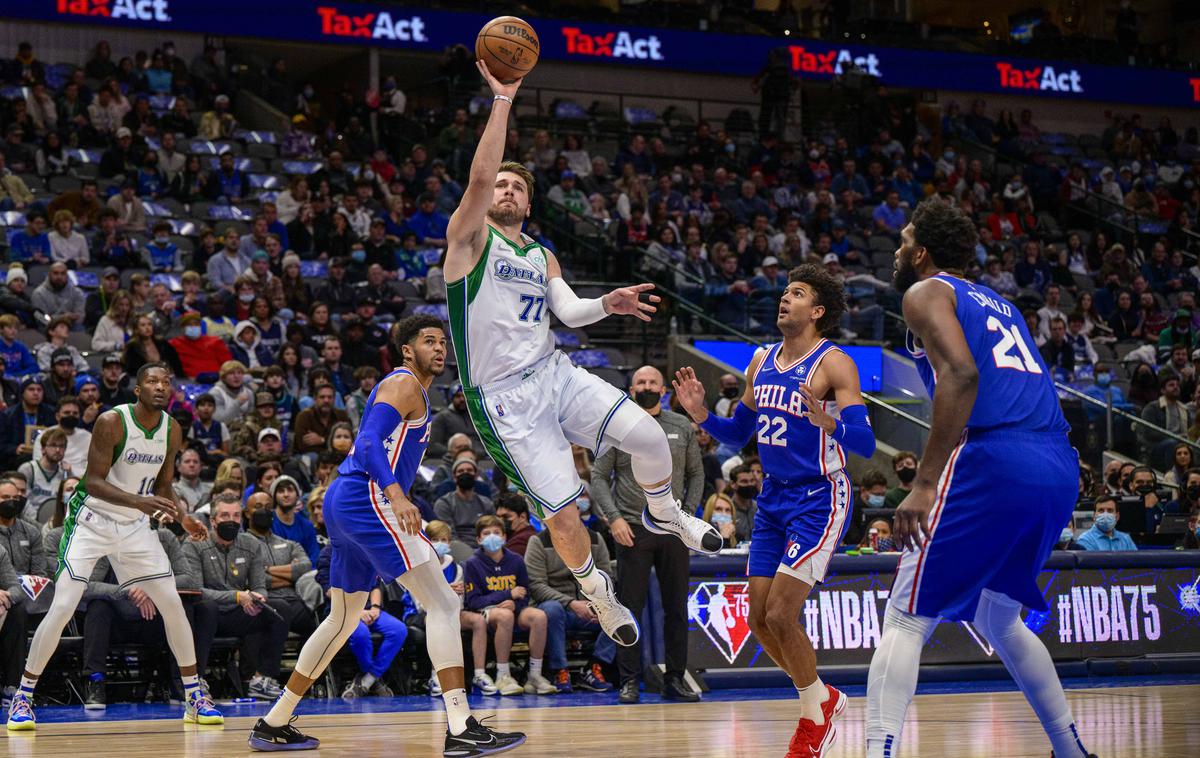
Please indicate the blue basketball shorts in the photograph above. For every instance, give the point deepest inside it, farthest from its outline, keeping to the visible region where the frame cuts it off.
(798, 525)
(1001, 503)
(366, 538)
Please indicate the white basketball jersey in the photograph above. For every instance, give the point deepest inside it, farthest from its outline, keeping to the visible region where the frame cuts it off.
(499, 319)
(136, 463)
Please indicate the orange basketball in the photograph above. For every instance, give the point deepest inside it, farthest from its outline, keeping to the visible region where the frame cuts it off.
(509, 47)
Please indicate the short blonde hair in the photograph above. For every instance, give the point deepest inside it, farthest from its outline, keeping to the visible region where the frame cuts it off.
(519, 169)
(63, 215)
(228, 367)
(438, 530)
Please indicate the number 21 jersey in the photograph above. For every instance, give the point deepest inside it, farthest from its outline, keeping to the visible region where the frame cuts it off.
(1016, 390)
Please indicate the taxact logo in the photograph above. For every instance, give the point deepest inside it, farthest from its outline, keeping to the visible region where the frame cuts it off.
(613, 45)
(375, 25)
(1040, 78)
(831, 62)
(138, 10)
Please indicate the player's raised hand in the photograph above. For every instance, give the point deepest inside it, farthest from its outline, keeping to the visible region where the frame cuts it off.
(195, 528)
(626, 301)
(498, 87)
(910, 526)
(815, 412)
(690, 392)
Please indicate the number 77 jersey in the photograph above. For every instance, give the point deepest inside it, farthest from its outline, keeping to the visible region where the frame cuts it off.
(1016, 389)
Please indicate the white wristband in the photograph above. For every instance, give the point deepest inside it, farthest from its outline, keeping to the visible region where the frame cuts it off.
(505, 98)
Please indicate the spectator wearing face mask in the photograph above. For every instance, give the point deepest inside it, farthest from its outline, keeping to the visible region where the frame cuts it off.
(1104, 536)
(514, 510)
(284, 561)
(1066, 539)
(463, 507)
(872, 493)
(1191, 540)
(719, 511)
(1143, 482)
(904, 464)
(881, 541)
(1188, 495)
(1104, 391)
(743, 491)
(731, 391)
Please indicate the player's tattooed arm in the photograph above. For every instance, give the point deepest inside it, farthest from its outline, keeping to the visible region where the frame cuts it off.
(106, 438)
(929, 309)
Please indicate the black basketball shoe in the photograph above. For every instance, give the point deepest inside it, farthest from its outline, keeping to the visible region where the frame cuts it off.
(480, 740)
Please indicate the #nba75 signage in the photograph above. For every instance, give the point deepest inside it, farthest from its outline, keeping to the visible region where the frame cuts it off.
(1093, 613)
(419, 28)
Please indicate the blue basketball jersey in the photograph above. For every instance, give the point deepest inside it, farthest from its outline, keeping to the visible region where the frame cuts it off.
(1016, 390)
(790, 447)
(405, 446)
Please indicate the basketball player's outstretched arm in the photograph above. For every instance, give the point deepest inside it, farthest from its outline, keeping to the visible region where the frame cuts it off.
(397, 398)
(929, 309)
(107, 437)
(575, 311)
(734, 431)
(465, 235)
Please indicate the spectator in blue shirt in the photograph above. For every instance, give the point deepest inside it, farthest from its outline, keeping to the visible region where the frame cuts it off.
(637, 155)
(290, 523)
(18, 361)
(910, 190)
(1103, 535)
(851, 180)
(1104, 390)
(889, 217)
(162, 254)
(428, 223)
(749, 204)
(227, 182)
(31, 244)
(150, 181)
(665, 193)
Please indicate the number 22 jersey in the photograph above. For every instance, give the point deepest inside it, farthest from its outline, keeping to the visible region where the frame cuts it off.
(790, 448)
(1016, 390)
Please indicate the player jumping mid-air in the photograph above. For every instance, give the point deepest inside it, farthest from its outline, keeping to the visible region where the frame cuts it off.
(803, 396)
(130, 469)
(375, 532)
(527, 401)
(996, 482)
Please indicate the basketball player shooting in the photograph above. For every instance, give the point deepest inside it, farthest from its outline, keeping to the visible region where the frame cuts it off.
(130, 468)
(793, 391)
(996, 423)
(526, 400)
(375, 532)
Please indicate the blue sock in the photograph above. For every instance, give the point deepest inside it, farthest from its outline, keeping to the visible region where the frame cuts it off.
(97, 676)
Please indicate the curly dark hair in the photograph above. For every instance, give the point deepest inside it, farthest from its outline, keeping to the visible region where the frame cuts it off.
(947, 233)
(407, 329)
(828, 290)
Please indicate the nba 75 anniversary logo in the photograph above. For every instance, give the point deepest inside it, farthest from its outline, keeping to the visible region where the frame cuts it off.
(722, 610)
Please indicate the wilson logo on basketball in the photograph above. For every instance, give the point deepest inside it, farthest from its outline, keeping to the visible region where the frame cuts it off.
(722, 610)
(516, 30)
(138, 10)
(612, 45)
(379, 25)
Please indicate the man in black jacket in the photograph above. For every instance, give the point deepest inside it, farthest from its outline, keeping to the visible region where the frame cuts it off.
(16, 445)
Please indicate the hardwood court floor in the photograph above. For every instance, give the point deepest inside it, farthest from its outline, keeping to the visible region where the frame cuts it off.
(1125, 722)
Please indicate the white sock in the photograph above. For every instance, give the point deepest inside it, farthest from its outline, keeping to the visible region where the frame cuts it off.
(27, 686)
(502, 670)
(190, 683)
(281, 712)
(457, 710)
(535, 666)
(479, 673)
(591, 581)
(367, 680)
(811, 698)
(661, 501)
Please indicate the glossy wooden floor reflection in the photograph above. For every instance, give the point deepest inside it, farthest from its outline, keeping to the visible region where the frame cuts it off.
(1133, 722)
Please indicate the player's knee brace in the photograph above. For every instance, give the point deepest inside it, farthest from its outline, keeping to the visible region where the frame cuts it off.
(646, 443)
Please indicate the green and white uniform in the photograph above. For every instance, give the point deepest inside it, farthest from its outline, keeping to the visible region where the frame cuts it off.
(95, 528)
(526, 399)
